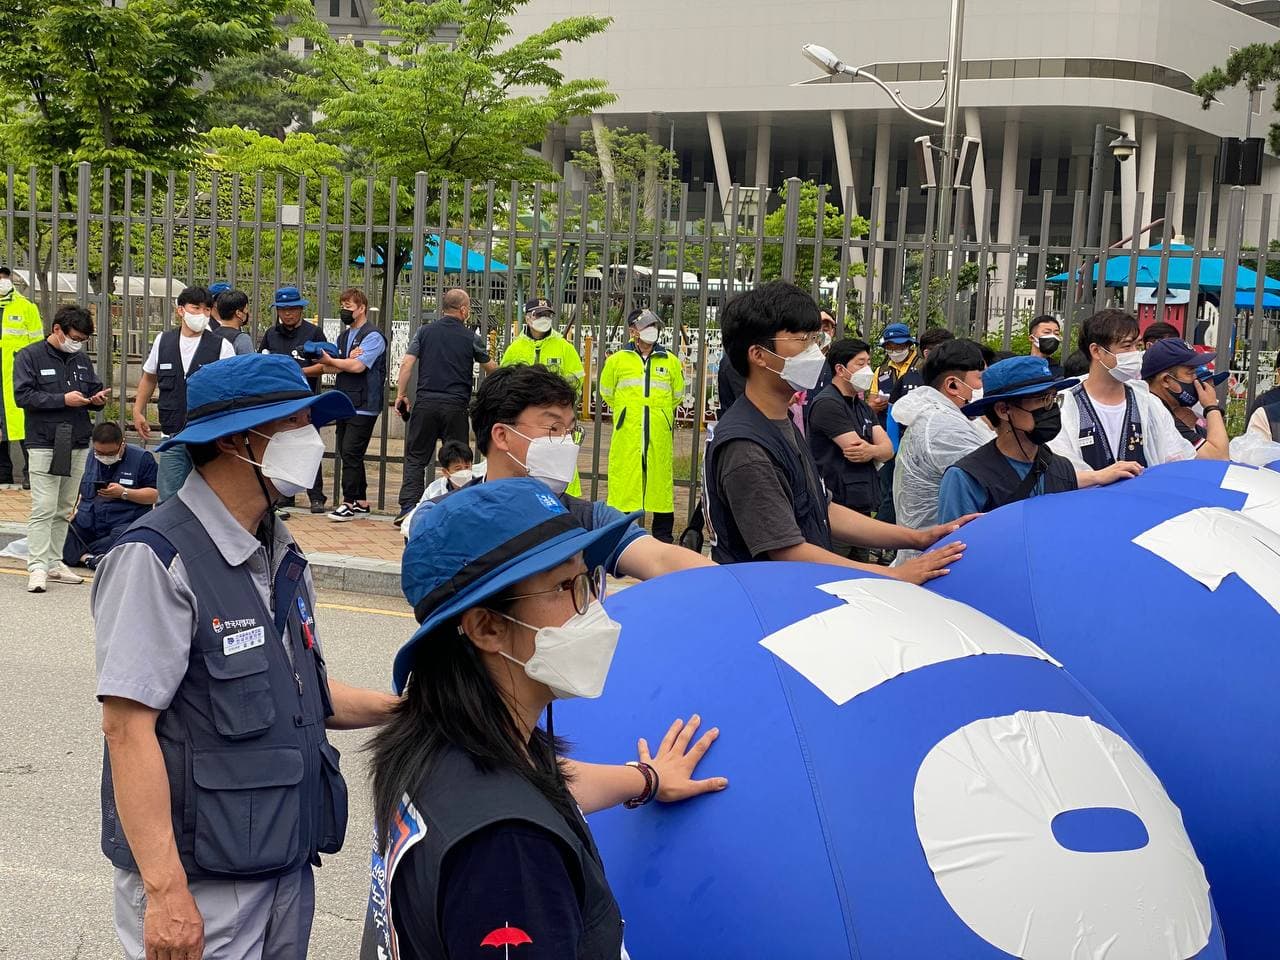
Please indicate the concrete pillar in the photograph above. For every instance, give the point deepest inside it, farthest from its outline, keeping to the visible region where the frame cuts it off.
(1128, 179)
(602, 148)
(764, 150)
(1178, 184)
(557, 150)
(1080, 173)
(651, 171)
(1207, 156)
(724, 182)
(844, 162)
(973, 128)
(880, 178)
(1008, 184)
(1150, 146)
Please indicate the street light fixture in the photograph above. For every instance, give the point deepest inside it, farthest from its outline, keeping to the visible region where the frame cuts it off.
(1124, 146)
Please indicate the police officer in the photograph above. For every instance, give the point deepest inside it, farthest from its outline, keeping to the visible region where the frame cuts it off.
(175, 355)
(20, 326)
(361, 368)
(643, 384)
(540, 342)
(118, 487)
(56, 385)
(219, 788)
(289, 337)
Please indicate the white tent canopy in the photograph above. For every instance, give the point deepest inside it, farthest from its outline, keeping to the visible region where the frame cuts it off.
(67, 282)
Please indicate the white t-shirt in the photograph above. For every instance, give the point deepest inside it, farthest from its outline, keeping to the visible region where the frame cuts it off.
(1161, 442)
(186, 349)
(1112, 417)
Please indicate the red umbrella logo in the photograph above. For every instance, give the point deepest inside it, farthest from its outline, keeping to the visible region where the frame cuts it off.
(506, 936)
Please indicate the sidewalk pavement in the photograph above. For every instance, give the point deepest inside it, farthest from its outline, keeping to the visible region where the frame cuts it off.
(358, 556)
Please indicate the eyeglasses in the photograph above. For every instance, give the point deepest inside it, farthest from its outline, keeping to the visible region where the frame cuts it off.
(808, 340)
(584, 588)
(557, 433)
(1047, 402)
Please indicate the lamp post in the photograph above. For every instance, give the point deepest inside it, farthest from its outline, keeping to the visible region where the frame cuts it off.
(1122, 148)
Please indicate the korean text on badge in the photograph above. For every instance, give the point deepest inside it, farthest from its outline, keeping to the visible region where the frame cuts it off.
(244, 640)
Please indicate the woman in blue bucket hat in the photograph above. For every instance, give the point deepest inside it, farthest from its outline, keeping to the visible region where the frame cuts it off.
(479, 839)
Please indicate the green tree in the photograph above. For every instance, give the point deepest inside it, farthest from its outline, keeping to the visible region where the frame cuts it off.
(260, 92)
(1255, 66)
(807, 225)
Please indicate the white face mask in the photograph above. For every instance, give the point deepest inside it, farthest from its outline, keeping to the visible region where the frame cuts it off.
(648, 335)
(196, 321)
(68, 345)
(541, 324)
(897, 356)
(550, 459)
(291, 459)
(572, 660)
(6, 286)
(110, 461)
(804, 370)
(862, 379)
(1128, 365)
(460, 478)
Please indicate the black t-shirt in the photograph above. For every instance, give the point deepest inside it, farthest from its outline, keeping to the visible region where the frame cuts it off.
(512, 883)
(280, 339)
(446, 352)
(832, 414)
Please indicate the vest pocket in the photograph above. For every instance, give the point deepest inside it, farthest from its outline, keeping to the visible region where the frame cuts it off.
(240, 693)
(248, 815)
(333, 800)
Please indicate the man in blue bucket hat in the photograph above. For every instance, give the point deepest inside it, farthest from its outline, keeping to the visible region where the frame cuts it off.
(1021, 399)
(219, 788)
(289, 337)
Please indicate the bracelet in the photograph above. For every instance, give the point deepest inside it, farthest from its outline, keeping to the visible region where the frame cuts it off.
(650, 785)
(1212, 408)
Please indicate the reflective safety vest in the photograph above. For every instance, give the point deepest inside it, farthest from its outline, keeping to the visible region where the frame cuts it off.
(20, 326)
(643, 394)
(552, 351)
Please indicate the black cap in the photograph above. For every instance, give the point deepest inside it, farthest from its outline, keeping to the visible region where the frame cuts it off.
(539, 307)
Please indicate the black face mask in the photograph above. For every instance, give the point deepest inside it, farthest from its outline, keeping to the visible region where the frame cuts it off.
(1047, 426)
(1048, 346)
(347, 317)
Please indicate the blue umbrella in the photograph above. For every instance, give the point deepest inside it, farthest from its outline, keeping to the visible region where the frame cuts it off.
(452, 258)
(892, 794)
(1167, 612)
(1119, 263)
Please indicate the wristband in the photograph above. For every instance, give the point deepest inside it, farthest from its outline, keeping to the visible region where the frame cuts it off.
(1212, 408)
(650, 785)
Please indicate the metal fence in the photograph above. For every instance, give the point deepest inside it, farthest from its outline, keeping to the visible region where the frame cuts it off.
(125, 243)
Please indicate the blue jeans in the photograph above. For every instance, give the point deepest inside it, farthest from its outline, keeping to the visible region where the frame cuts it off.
(173, 466)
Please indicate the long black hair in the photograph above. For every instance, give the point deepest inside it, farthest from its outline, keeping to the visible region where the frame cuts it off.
(450, 700)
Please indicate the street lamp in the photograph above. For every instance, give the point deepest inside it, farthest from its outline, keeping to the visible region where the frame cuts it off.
(1122, 148)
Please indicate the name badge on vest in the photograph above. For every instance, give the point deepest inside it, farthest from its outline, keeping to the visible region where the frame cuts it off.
(1086, 440)
(48, 373)
(126, 481)
(166, 366)
(244, 640)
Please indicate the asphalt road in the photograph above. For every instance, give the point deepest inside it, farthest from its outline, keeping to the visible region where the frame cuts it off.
(55, 884)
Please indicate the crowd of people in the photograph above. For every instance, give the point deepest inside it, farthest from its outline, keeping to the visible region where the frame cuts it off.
(220, 788)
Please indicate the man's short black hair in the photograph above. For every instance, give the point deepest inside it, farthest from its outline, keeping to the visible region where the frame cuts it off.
(5, 272)
(108, 431)
(952, 357)
(757, 316)
(455, 451)
(1160, 331)
(1043, 318)
(510, 391)
(195, 295)
(842, 351)
(1076, 364)
(934, 336)
(202, 453)
(231, 302)
(71, 317)
(1107, 327)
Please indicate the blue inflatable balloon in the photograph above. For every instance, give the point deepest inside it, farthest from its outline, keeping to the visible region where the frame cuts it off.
(907, 779)
(1160, 595)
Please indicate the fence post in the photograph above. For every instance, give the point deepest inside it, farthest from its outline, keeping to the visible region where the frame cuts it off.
(790, 230)
(1227, 295)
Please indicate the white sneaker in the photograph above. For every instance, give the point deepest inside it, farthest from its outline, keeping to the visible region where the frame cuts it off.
(36, 581)
(59, 573)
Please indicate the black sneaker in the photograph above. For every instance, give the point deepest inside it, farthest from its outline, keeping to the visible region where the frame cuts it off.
(401, 515)
(282, 514)
(317, 506)
(345, 512)
(360, 511)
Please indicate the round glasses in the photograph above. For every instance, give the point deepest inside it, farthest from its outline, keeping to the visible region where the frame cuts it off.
(584, 588)
(1047, 402)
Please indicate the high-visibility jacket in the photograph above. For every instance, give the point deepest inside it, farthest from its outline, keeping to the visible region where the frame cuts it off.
(556, 353)
(20, 326)
(643, 394)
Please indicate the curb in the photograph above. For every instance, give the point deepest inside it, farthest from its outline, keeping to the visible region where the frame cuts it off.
(331, 571)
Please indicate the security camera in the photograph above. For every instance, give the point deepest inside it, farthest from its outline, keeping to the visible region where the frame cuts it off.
(1123, 147)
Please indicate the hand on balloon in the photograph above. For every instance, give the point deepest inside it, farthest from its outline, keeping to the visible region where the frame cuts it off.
(675, 760)
(1120, 470)
(926, 537)
(928, 566)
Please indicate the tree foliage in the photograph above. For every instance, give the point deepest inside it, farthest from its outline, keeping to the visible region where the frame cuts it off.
(807, 225)
(1254, 66)
(260, 91)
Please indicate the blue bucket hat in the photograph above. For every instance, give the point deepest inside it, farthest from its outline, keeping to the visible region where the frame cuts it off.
(221, 287)
(238, 393)
(897, 333)
(290, 297)
(480, 540)
(1013, 378)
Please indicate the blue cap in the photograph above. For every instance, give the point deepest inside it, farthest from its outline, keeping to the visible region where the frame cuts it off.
(290, 297)
(1013, 378)
(1172, 352)
(221, 287)
(238, 393)
(897, 333)
(480, 540)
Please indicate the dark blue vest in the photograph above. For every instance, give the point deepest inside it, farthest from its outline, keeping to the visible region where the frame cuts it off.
(990, 469)
(172, 379)
(254, 785)
(745, 422)
(363, 389)
(1095, 447)
(102, 514)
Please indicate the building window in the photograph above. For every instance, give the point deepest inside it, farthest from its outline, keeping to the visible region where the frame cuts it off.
(335, 8)
(1026, 69)
(1033, 178)
(355, 10)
